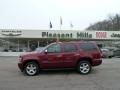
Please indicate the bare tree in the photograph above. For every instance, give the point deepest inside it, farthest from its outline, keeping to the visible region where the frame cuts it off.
(112, 23)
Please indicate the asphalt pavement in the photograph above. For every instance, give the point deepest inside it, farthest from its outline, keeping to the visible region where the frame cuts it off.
(103, 77)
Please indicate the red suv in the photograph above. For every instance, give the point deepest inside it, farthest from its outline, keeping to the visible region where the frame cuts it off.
(78, 55)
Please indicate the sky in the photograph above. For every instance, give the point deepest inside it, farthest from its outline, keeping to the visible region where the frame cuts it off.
(37, 14)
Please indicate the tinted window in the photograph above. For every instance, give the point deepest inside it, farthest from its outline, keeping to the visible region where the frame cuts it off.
(69, 47)
(88, 47)
(55, 48)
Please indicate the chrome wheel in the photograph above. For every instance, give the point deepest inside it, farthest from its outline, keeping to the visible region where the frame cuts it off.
(31, 68)
(84, 67)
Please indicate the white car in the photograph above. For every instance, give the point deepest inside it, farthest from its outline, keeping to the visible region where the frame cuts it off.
(107, 53)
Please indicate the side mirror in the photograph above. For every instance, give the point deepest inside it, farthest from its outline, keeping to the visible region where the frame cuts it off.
(46, 51)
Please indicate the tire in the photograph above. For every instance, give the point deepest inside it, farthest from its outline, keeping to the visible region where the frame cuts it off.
(31, 68)
(84, 67)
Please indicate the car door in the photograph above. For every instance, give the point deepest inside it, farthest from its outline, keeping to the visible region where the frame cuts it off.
(70, 55)
(52, 57)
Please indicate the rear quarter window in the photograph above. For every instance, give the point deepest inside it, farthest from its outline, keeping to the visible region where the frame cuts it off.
(88, 47)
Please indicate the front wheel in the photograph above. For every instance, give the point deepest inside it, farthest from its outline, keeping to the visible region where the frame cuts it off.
(31, 68)
(84, 67)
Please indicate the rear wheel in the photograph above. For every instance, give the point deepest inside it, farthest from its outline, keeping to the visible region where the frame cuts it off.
(31, 68)
(84, 67)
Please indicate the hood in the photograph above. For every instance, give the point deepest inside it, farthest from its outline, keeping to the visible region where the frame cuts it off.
(28, 53)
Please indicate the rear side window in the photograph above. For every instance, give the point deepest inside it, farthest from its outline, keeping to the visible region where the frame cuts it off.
(88, 47)
(69, 47)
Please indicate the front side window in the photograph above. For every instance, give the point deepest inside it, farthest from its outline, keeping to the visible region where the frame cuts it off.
(69, 47)
(55, 48)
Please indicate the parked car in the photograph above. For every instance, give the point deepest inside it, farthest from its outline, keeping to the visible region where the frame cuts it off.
(107, 53)
(78, 55)
(117, 53)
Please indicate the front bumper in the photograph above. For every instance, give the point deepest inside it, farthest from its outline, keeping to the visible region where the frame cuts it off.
(20, 66)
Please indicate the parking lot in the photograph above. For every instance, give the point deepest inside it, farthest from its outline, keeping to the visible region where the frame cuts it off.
(103, 77)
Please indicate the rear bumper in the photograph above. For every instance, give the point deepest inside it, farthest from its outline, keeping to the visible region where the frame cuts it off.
(97, 62)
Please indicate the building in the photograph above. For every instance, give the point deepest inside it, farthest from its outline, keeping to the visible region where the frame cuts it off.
(18, 40)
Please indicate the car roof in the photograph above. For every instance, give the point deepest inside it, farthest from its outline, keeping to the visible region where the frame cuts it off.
(74, 42)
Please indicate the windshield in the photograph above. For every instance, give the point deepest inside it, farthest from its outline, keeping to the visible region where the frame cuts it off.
(40, 49)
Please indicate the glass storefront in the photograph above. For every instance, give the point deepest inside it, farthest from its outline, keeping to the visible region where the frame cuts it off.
(22, 45)
(26, 45)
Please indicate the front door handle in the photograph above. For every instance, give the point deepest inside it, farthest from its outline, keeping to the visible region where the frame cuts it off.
(76, 54)
(59, 56)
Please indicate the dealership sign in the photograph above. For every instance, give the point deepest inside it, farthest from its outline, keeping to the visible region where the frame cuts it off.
(114, 35)
(101, 35)
(54, 35)
(62, 34)
(66, 35)
(11, 32)
(83, 35)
